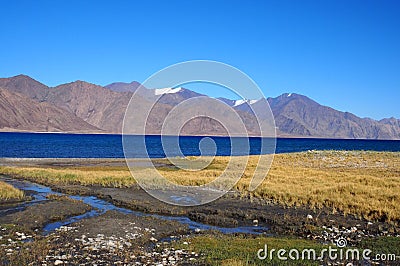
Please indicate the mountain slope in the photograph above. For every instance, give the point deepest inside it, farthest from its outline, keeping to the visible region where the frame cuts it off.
(18, 112)
(25, 85)
(299, 115)
(123, 87)
(96, 105)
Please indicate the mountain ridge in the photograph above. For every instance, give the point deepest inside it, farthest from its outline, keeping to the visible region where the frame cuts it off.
(102, 108)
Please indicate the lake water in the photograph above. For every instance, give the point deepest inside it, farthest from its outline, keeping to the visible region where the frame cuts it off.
(54, 145)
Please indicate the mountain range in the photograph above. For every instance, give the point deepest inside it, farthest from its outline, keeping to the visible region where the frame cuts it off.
(82, 107)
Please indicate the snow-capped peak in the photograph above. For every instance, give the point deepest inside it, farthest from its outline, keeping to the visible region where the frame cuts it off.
(290, 94)
(241, 101)
(167, 90)
(253, 101)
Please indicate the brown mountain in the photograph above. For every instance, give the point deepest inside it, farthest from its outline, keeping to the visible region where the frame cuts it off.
(25, 85)
(18, 112)
(96, 105)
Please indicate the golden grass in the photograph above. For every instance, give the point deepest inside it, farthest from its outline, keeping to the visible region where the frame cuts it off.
(366, 184)
(8, 192)
(113, 178)
(362, 183)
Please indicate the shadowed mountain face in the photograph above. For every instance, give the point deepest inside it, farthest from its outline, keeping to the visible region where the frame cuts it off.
(27, 104)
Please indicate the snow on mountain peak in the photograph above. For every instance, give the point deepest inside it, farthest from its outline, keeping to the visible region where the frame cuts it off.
(253, 101)
(167, 91)
(241, 101)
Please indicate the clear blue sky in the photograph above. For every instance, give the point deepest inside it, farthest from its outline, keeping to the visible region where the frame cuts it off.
(344, 54)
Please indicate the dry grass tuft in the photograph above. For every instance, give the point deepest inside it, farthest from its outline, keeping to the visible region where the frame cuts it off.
(107, 178)
(8, 192)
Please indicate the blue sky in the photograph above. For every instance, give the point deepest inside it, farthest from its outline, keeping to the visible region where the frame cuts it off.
(344, 54)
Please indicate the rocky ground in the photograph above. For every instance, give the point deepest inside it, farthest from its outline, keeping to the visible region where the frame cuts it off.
(110, 239)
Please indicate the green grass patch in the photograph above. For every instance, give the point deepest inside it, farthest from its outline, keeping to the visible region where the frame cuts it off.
(382, 245)
(238, 250)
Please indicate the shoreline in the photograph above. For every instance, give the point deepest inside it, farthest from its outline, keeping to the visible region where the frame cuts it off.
(221, 136)
(7, 161)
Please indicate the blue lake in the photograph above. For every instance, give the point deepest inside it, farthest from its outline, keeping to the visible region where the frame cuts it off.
(54, 145)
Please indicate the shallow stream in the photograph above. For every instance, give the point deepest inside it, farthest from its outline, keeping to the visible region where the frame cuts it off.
(39, 194)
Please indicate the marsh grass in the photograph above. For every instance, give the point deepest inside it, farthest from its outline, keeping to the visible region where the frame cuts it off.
(104, 177)
(8, 192)
(365, 184)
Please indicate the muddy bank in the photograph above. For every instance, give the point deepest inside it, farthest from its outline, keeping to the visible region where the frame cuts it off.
(38, 215)
(10, 202)
(119, 224)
